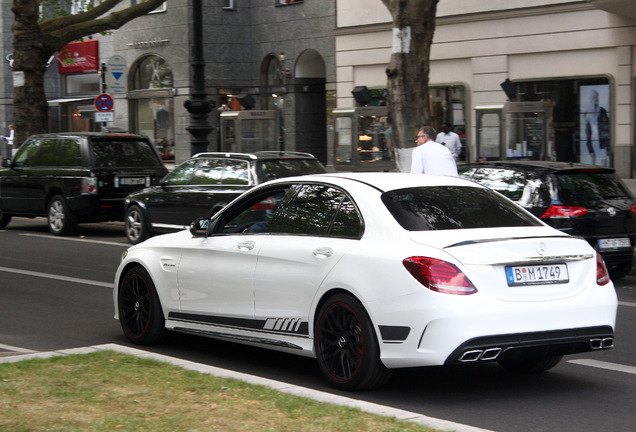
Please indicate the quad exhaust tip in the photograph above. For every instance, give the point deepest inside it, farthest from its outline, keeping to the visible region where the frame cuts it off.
(480, 355)
(602, 343)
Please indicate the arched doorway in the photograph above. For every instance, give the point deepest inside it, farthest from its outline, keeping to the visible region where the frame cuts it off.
(310, 104)
(151, 102)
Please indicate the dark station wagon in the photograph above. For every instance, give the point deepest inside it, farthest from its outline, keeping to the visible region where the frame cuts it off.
(76, 177)
(583, 200)
(201, 186)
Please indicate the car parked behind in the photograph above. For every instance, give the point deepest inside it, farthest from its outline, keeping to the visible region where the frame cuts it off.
(204, 184)
(582, 200)
(76, 177)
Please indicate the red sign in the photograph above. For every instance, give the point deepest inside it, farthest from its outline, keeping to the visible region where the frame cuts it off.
(78, 57)
(104, 103)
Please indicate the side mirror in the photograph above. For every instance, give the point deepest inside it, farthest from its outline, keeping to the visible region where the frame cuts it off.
(199, 228)
(6, 163)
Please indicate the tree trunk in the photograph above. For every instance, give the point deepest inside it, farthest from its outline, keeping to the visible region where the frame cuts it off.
(29, 64)
(407, 72)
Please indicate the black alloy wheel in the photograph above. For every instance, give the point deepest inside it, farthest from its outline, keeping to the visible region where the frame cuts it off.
(347, 347)
(140, 313)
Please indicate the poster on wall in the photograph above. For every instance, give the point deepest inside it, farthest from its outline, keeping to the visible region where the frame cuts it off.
(595, 126)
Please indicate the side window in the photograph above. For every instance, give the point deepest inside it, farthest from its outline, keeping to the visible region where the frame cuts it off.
(48, 154)
(236, 173)
(507, 182)
(181, 175)
(254, 215)
(208, 172)
(318, 210)
(27, 153)
(68, 153)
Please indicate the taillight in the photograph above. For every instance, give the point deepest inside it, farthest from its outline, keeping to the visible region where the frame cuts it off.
(602, 275)
(558, 211)
(89, 185)
(440, 276)
(633, 208)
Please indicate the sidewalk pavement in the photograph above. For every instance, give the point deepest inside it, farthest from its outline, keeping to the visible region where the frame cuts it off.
(295, 390)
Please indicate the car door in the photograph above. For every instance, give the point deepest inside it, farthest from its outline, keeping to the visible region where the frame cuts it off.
(18, 186)
(308, 235)
(216, 273)
(164, 202)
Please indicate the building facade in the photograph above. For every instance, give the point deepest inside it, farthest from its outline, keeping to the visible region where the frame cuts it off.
(549, 79)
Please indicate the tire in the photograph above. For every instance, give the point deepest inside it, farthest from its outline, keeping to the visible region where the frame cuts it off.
(532, 364)
(4, 219)
(347, 347)
(621, 270)
(140, 313)
(60, 218)
(136, 225)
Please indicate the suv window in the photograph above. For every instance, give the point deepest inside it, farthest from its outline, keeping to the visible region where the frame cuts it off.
(55, 152)
(123, 153)
(456, 207)
(279, 168)
(27, 154)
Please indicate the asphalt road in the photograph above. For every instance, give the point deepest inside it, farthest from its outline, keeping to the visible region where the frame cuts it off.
(55, 293)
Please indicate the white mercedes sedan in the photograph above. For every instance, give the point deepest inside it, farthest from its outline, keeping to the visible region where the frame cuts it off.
(368, 272)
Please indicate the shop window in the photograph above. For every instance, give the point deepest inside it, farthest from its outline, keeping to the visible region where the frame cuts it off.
(580, 112)
(152, 105)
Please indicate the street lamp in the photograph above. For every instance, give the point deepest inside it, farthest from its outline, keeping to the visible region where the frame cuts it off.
(199, 106)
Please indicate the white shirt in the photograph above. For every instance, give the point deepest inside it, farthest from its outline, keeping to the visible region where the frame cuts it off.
(450, 140)
(433, 158)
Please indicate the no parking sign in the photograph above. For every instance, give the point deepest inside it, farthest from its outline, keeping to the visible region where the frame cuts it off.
(104, 103)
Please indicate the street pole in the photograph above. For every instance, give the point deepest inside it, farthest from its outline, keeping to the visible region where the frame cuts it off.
(199, 106)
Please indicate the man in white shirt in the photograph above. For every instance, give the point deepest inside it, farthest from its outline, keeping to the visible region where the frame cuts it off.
(430, 157)
(449, 139)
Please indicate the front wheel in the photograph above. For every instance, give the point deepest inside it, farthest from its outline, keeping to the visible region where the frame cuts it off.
(136, 226)
(140, 313)
(347, 347)
(60, 218)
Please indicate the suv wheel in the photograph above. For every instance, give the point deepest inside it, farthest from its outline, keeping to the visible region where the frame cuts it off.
(621, 270)
(61, 220)
(136, 226)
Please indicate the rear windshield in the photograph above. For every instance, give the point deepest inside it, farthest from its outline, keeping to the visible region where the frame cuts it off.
(581, 187)
(454, 207)
(123, 153)
(279, 168)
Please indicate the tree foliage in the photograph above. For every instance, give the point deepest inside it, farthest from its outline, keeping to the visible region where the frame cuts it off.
(408, 70)
(37, 37)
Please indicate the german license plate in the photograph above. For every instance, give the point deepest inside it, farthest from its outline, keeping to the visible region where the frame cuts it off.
(537, 274)
(132, 181)
(614, 243)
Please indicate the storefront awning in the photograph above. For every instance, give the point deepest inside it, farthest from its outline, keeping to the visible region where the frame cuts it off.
(57, 102)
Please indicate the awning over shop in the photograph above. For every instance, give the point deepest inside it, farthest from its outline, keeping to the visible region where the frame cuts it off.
(58, 102)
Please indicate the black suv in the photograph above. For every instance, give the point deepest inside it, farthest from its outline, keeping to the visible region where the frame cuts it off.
(204, 184)
(582, 200)
(76, 177)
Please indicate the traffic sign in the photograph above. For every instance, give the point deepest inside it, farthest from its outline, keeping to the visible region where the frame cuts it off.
(116, 75)
(104, 102)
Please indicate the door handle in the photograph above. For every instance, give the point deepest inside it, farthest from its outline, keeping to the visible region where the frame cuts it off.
(323, 252)
(246, 245)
